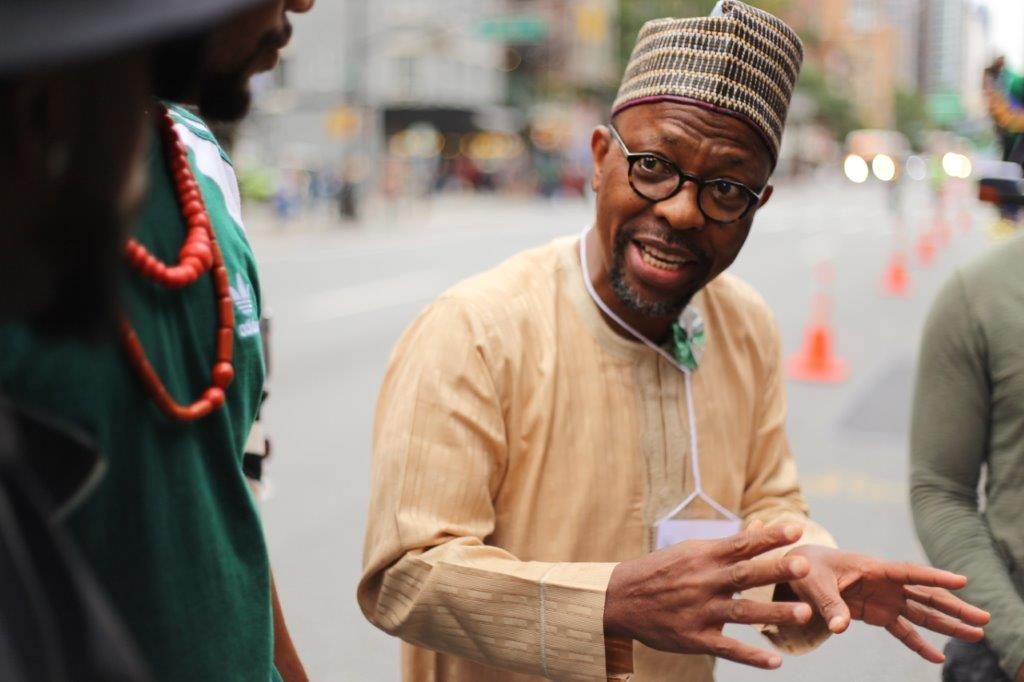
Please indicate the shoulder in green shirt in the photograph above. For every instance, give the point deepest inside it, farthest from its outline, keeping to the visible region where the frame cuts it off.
(172, 531)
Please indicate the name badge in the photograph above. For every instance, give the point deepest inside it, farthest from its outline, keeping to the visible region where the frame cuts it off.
(669, 532)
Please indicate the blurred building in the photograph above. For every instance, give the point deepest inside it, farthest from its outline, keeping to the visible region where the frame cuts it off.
(863, 48)
(573, 48)
(955, 39)
(904, 16)
(873, 48)
(977, 53)
(434, 55)
(401, 96)
(306, 113)
(358, 72)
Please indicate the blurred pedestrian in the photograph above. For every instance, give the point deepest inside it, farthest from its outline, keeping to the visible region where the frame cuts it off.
(74, 179)
(968, 428)
(539, 504)
(1004, 91)
(172, 530)
(348, 192)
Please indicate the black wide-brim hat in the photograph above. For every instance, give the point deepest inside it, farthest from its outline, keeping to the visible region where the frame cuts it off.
(40, 33)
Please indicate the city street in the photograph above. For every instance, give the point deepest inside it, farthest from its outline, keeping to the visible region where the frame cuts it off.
(341, 296)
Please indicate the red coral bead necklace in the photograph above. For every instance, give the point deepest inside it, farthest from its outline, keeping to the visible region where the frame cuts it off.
(198, 255)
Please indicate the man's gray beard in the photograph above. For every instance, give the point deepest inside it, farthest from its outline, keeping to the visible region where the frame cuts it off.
(629, 297)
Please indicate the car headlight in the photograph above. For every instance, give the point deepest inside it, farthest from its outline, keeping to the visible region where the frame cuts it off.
(883, 167)
(956, 165)
(856, 168)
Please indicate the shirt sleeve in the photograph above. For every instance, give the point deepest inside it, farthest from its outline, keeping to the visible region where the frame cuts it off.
(429, 576)
(773, 494)
(949, 436)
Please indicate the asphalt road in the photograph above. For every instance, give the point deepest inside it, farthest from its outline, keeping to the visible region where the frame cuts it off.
(341, 296)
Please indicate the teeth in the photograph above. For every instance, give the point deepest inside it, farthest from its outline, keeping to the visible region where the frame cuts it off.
(660, 259)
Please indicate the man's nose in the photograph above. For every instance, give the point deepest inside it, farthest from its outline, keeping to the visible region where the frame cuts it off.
(682, 211)
(299, 6)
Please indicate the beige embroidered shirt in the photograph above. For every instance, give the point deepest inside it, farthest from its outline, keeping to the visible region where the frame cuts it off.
(522, 448)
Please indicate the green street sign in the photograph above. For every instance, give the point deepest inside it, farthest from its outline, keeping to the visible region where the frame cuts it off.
(520, 29)
(944, 107)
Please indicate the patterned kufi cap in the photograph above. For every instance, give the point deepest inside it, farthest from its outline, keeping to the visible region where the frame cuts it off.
(741, 61)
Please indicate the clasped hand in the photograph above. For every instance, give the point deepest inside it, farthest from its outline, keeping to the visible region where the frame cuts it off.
(679, 598)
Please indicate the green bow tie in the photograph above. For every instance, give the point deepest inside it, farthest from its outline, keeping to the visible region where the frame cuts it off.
(686, 346)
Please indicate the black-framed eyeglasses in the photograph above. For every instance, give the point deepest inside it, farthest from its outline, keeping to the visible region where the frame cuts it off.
(655, 179)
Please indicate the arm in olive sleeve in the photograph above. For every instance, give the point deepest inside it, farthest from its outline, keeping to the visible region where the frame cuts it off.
(949, 435)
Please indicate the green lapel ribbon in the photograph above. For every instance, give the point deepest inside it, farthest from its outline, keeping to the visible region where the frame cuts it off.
(688, 339)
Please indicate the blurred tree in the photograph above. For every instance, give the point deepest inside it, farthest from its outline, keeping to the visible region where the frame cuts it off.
(833, 110)
(911, 116)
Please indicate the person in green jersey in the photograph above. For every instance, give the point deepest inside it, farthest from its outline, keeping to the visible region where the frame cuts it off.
(73, 180)
(172, 530)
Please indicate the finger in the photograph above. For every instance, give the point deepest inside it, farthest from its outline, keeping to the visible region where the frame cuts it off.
(750, 612)
(914, 574)
(939, 622)
(756, 524)
(943, 601)
(912, 639)
(749, 543)
(822, 593)
(730, 649)
(757, 572)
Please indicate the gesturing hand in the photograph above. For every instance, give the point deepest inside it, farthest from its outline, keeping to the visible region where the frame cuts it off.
(679, 598)
(894, 595)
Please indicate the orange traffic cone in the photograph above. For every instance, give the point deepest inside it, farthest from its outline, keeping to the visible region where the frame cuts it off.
(896, 281)
(925, 248)
(815, 362)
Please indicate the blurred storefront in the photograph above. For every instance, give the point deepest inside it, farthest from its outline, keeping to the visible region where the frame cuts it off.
(402, 96)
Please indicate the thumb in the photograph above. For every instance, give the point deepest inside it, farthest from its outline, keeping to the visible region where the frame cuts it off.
(822, 593)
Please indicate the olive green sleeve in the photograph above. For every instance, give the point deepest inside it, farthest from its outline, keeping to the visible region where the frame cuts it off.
(949, 437)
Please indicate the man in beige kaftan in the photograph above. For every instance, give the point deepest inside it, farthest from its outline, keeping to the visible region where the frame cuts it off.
(534, 430)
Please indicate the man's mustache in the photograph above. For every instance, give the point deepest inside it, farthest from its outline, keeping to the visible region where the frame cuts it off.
(661, 233)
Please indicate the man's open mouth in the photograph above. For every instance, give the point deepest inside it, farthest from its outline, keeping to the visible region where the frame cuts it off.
(664, 259)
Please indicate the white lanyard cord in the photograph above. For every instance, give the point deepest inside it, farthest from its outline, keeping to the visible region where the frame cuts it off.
(698, 488)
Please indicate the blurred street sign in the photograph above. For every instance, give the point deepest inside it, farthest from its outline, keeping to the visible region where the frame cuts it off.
(517, 29)
(944, 107)
(341, 122)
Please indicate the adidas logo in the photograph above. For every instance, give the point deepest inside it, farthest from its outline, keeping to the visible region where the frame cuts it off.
(241, 294)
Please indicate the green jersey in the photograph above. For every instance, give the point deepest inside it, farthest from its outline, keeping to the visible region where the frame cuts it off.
(172, 531)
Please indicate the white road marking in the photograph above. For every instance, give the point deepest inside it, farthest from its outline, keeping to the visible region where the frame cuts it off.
(368, 297)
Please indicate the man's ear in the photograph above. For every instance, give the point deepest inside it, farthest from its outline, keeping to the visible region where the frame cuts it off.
(766, 195)
(600, 143)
